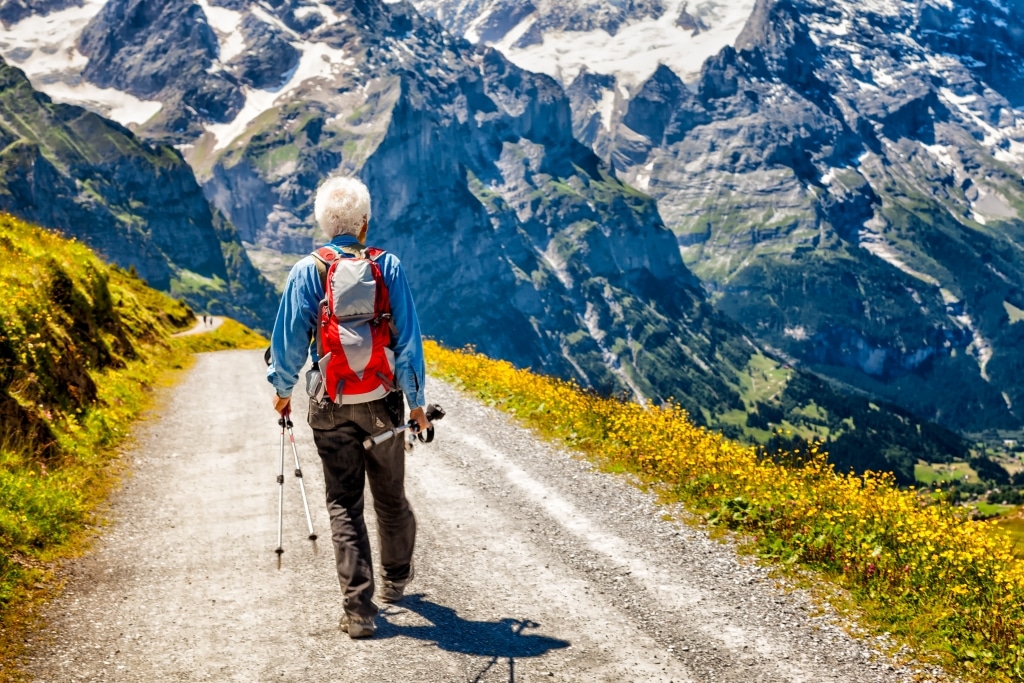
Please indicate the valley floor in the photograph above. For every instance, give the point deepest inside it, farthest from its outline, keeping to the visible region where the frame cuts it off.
(530, 566)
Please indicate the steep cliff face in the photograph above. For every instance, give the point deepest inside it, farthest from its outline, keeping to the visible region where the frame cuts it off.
(140, 206)
(847, 179)
(477, 179)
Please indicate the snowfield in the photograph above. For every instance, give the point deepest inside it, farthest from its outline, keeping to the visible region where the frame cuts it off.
(44, 48)
(636, 50)
(632, 54)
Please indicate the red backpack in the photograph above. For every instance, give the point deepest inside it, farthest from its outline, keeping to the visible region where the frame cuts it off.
(354, 329)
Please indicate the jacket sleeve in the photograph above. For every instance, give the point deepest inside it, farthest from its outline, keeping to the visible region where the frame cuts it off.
(410, 369)
(294, 326)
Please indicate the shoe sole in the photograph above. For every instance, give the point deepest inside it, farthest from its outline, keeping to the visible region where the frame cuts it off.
(361, 633)
(392, 599)
(356, 630)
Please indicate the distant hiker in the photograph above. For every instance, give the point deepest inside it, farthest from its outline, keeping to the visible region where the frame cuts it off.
(353, 302)
(204, 320)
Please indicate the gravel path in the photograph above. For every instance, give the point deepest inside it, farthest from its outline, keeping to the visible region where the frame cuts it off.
(200, 327)
(530, 567)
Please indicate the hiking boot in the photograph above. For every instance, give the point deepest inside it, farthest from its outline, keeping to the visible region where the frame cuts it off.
(358, 627)
(394, 591)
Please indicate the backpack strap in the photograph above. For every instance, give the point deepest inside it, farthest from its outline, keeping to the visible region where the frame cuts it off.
(323, 258)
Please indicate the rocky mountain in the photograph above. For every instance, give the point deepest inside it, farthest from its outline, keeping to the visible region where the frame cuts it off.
(846, 179)
(139, 205)
(472, 163)
(518, 238)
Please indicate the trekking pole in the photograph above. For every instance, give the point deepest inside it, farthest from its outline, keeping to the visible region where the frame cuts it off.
(287, 419)
(434, 413)
(280, 492)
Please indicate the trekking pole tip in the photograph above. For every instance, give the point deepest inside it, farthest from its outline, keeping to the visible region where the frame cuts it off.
(312, 537)
(279, 550)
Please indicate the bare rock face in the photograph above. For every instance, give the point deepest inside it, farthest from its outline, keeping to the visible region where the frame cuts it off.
(851, 142)
(492, 20)
(268, 57)
(519, 239)
(161, 49)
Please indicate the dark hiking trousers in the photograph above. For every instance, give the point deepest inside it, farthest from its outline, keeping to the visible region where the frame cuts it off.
(339, 432)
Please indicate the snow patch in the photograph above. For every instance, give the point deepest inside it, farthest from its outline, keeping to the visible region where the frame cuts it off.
(883, 78)
(44, 46)
(267, 18)
(318, 60)
(329, 15)
(636, 50)
(979, 347)
(798, 333)
(941, 154)
(227, 24)
(607, 108)
(116, 105)
(1012, 153)
(875, 244)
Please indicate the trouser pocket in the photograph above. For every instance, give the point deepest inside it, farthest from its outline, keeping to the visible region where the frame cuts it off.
(321, 414)
(395, 404)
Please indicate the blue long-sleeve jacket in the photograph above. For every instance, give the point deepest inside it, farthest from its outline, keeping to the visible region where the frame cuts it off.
(291, 342)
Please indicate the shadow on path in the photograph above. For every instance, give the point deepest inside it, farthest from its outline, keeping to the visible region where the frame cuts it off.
(495, 639)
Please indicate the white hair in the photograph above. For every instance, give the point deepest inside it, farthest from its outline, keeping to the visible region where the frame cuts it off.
(342, 206)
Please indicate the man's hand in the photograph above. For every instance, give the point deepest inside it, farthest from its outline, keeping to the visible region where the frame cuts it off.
(283, 405)
(420, 417)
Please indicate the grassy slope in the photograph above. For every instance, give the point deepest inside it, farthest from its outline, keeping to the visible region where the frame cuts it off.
(80, 346)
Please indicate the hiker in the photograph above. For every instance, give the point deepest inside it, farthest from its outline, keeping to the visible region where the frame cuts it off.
(355, 390)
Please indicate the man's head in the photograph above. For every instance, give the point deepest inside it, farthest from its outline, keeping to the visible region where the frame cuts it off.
(342, 207)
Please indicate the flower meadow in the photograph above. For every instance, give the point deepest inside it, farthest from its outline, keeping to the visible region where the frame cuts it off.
(915, 566)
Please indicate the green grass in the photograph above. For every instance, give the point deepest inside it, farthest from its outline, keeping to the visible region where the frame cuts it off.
(229, 335)
(992, 510)
(1013, 526)
(764, 380)
(186, 283)
(929, 473)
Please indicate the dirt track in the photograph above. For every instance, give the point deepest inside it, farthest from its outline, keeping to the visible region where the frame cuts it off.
(530, 567)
